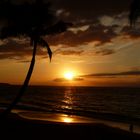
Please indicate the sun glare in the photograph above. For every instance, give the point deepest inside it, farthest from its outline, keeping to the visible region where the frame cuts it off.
(69, 75)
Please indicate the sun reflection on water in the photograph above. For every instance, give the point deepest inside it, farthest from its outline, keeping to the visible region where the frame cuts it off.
(67, 104)
(55, 117)
(67, 119)
(68, 99)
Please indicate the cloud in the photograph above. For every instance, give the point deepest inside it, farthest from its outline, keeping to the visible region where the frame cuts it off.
(65, 80)
(91, 10)
(106, 20)
(59, 80)
(69, 52)
(102, 24)
(79, 28)
(97, 32)
(18, 50)
(134, 33)
(120, 19)
(103, 52)
(59, 12)
(62, 13)
(112, 75)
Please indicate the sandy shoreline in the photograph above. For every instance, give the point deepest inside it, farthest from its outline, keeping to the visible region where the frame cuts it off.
(14, 126)
(118, 122)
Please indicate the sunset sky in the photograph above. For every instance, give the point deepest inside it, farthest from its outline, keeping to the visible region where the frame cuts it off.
(100, 49)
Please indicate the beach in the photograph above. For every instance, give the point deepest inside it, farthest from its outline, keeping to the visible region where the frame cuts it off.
(91, 88)
(63, 113)
(16, 127)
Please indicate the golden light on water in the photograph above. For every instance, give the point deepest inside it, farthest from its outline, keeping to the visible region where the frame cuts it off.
(67, 119)
(54, 117)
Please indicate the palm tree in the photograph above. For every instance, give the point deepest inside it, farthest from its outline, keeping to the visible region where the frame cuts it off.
(32, 21)
(134, 12)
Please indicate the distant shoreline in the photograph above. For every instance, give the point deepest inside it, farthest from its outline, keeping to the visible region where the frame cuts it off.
(5, 84)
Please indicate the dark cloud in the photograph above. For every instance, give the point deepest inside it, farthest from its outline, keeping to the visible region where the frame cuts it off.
(69, 52)
(98, 32)
(12, 49)
(78, 79)
(19, 51)
(81, 13)
(127, 73)
(132, 32)
(65, 80)
(103, 52)
(91, 9)
(59, 80)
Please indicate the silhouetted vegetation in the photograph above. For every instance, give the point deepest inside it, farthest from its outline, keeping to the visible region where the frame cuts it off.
(134, 12)
(33, 20)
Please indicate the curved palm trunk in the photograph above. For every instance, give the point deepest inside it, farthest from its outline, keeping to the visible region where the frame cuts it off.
(25, 84)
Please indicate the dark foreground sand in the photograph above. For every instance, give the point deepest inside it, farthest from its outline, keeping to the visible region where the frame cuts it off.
(14, 127)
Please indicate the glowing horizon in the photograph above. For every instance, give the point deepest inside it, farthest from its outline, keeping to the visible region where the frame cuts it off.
(99, 50)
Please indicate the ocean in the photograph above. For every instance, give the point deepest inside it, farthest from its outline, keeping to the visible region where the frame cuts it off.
(111, 102)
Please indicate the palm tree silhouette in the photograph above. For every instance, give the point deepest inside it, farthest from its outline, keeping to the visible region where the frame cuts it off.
(33, 21)
(134, 12)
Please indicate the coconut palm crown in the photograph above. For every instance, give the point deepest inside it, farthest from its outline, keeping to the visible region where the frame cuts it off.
(31, 20)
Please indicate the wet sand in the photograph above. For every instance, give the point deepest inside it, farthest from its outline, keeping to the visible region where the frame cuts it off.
(17, 127)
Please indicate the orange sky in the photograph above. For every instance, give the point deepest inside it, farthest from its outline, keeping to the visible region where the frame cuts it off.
(99, 43)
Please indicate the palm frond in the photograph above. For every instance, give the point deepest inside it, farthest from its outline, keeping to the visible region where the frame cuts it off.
(45, 44)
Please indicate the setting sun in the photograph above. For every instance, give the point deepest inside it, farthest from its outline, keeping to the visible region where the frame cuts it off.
(69, 75)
